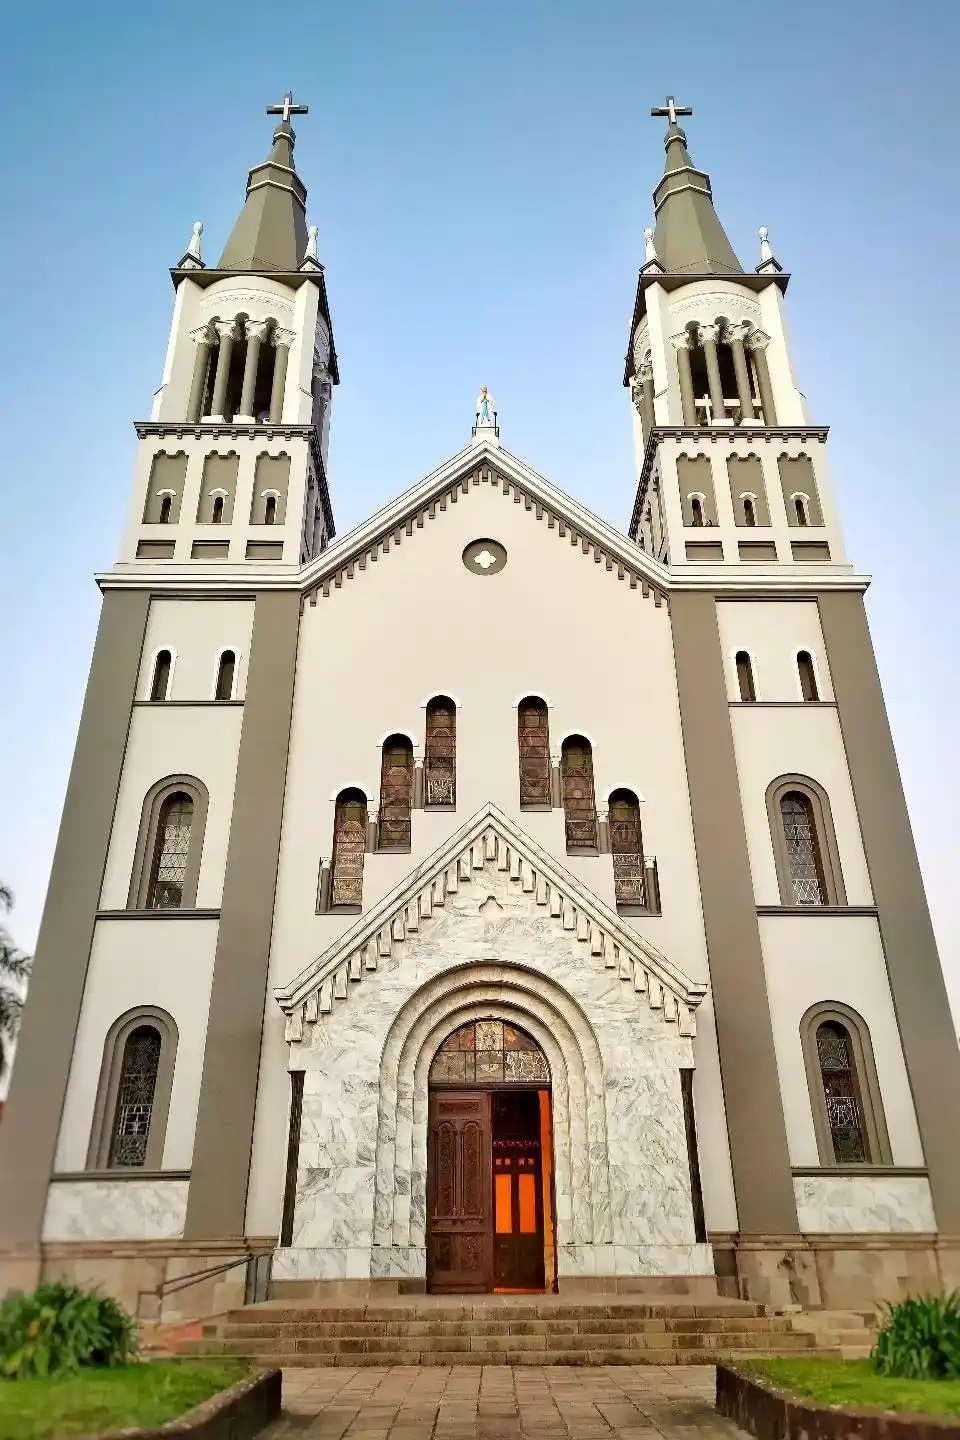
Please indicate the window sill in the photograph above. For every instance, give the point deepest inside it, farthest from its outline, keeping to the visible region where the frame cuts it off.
(185, 914)
(586, 850)
(637, 910)
(785, 704)
(342, 910)
(817, 910)
(392, 850)
(175, 704)
(121, 1172)
(537, 809)
(812, 1171)
(439, 809)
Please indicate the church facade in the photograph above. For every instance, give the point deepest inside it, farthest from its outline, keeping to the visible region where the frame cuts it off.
(377, 961)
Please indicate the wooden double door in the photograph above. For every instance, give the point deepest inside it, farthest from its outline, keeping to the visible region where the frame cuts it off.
(488, 1189)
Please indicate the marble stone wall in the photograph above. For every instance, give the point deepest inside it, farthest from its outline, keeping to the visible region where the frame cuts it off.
(863, 1204)
(623, 1201)
(115, 1210)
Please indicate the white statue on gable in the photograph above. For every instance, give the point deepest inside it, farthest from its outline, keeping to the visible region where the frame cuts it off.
(485, 408)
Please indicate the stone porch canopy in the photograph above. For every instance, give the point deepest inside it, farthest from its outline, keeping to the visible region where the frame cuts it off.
(490, 839)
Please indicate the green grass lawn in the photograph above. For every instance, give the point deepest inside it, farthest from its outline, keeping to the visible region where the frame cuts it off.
(92, 1400)
(853, 1382)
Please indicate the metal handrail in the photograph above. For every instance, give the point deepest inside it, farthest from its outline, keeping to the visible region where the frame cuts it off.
(194, 1277)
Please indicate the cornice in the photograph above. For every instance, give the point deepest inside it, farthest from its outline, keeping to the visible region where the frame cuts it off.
(716, 434)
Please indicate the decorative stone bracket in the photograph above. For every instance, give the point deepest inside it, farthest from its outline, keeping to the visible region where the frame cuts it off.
(490, 839)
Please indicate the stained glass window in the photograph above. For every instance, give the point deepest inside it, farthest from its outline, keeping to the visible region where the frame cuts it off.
(803, 853)
(534, 744)
(626, 845)
(579, 803)
(135, 1094)
(171, 853)
(440, 753)
(396, 794)
(844, 1112)
(349, 844)
(488, 1051)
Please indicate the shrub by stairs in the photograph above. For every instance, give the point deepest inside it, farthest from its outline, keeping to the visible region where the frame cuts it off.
(511, 1330)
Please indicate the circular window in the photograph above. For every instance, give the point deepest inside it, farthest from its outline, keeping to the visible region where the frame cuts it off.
(485, 557)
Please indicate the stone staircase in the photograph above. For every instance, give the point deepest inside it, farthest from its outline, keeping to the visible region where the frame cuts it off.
(512, 1330)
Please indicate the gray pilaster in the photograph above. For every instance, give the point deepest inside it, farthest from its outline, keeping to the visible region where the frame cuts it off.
(751, 1086)
(909, 945)
(708, 338)
(764, 385)
(687, 401)
(255, 333)
(31, 1123)
(223, 368)
(743, 377)
(216, 1204)
(279, 380)
(196, 385)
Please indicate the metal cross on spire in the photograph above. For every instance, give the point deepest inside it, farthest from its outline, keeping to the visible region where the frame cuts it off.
(671, 110)
(288, 108)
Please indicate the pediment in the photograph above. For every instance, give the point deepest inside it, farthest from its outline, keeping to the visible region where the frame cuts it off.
(492, 846)
(484, 465)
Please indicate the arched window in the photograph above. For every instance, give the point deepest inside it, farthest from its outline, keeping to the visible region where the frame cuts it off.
(170, 853)
(579, 802)
(226, 673)
(440, 753)
(749, 511)
(160, 684)
(748, 691)
(626, 846)
(349, 845)
(133, 1096)
(533, 739)
(808, 676)
(804, 843)
(489, 1051)
(396, 794)
(217, 518)
(696, 510)
(270, 510)
(166, 504)
(844, 1091)
(166, 867)
(800, 506)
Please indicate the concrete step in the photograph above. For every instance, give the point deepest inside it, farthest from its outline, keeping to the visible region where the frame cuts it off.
(526, 1357)
(488, 1308)
(595, 1325)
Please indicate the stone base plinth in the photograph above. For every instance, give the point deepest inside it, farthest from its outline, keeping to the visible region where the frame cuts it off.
(834, 1272)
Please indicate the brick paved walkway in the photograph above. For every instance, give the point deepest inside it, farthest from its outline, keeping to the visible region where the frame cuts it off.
(500, 1402)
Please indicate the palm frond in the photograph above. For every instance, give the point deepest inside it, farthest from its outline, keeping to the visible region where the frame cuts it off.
(6, 897)
(11, 1008)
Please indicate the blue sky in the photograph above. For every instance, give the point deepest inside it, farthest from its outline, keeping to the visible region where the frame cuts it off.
(481, 177)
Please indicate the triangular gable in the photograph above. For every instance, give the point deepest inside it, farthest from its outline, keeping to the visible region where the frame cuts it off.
(484, 464)
(489, 839)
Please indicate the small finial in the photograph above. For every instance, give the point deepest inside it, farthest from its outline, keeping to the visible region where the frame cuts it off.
(767, 260)
(311, 251)
(651, 260)
(193, 260)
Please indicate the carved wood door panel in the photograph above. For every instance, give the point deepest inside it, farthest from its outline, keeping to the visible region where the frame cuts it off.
(459, 1193)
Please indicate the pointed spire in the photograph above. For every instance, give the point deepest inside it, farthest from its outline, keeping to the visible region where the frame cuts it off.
(689, 237)
(271, 229)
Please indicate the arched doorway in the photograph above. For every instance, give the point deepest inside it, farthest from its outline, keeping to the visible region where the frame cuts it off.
(489, 1163)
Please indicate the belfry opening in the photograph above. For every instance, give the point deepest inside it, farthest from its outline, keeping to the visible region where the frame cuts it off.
(490, 1204)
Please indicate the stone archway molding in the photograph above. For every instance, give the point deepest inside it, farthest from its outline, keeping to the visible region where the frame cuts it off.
(537, 1004)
